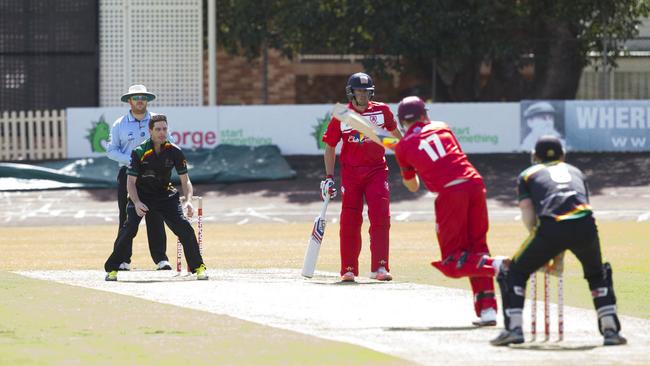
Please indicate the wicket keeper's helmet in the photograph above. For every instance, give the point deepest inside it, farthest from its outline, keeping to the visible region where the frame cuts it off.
(548, 148)
(360, 80)
(411, 108)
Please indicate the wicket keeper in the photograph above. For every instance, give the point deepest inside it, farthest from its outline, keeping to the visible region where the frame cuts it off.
(150, 189)
(554, 204)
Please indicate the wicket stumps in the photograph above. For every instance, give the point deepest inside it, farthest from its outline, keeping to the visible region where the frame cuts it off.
(199, 229)
(547, 306)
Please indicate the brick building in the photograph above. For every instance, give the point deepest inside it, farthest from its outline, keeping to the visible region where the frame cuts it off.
(303, 80)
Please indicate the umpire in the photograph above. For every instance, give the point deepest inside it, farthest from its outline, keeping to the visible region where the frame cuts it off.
(554, 203)
(128, 132)
(150, 191)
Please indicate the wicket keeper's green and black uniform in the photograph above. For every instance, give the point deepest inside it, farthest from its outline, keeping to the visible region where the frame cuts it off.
(560, 199)
(565, 220)
(158, 194)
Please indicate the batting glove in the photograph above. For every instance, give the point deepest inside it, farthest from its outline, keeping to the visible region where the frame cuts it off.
(327, 188)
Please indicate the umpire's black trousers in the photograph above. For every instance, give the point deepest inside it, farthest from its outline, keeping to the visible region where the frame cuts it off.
(170, 209)
(155, 225)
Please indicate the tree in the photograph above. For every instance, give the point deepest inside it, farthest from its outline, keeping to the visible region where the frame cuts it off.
(500, 50)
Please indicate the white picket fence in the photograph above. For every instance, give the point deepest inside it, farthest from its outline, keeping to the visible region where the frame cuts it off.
(33, 135)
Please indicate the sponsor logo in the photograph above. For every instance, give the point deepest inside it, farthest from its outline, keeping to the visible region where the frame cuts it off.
(239, 137)
(376, 119)
(319, 230)
(466, 136)
(98, 135)
(356, 137)
(195, 139)
(319, 130)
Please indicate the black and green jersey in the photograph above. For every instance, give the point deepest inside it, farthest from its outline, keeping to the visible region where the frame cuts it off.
(154, 170)
(558, 190)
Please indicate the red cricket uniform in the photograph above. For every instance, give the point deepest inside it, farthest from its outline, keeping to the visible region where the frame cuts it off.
(363, 174)
(431, 150)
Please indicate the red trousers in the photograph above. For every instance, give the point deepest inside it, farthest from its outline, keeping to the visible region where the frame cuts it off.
(461, 226)
(370, 183)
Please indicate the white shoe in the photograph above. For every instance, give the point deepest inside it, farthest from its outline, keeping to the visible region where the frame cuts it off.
(124, 266)
(381, 275)
(347, 277)
(498, 262)
(163, 266)
(488, 318)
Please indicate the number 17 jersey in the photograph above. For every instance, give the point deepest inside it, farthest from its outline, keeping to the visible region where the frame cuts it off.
(432, 151)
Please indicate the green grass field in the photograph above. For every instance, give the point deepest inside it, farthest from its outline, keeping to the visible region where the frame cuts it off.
(52, 324)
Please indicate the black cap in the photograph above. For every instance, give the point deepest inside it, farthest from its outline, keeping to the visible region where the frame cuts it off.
(549, 148)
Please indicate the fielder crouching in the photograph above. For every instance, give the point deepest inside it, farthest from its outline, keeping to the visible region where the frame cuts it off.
(150, 189)
(554, 203)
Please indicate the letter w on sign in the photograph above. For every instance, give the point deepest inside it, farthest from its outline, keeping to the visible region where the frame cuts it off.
(315, 239)
(361, 124)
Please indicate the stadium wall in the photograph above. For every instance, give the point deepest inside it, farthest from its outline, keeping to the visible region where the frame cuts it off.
(296, 129)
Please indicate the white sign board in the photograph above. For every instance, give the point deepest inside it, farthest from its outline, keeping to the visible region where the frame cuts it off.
(295, 129)
(88, 129)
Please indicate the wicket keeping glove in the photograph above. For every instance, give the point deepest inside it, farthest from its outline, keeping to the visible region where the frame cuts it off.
(327, 188)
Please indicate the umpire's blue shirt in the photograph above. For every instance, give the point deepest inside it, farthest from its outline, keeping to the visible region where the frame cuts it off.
(126, 134)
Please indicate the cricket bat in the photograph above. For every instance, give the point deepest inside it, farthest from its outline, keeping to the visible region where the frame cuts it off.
(361, 124)
(315, 239)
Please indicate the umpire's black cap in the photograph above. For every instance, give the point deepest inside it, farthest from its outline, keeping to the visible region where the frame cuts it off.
(549, 148)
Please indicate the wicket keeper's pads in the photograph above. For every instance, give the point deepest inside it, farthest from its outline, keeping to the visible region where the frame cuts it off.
(315, 239)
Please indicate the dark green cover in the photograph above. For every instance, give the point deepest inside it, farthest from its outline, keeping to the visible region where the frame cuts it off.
(223, 164)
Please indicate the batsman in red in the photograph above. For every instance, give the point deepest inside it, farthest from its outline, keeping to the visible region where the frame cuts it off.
(364, 174)
(430, 149)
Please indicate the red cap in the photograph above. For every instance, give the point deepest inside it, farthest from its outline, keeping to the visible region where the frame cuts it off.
(411, 108)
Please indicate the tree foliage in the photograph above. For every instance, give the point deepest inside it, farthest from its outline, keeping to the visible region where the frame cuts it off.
(553, 37)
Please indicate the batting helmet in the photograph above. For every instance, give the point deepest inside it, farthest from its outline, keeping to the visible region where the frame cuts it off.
(360, 80)
(548, 148)
(411, 108)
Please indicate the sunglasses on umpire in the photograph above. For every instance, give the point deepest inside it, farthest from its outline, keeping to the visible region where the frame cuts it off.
(136, 98)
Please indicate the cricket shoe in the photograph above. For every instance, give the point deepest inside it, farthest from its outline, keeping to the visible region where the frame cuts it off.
(613, 338)
(124, 266)
(200, 273)
(381, 275)
(163, 266)
(111, 276)
(347, 277)
(488, 318)
(514, 336)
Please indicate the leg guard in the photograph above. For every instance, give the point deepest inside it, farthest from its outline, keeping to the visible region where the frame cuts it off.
(513, 294)
(502, 280)
(602, 292)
